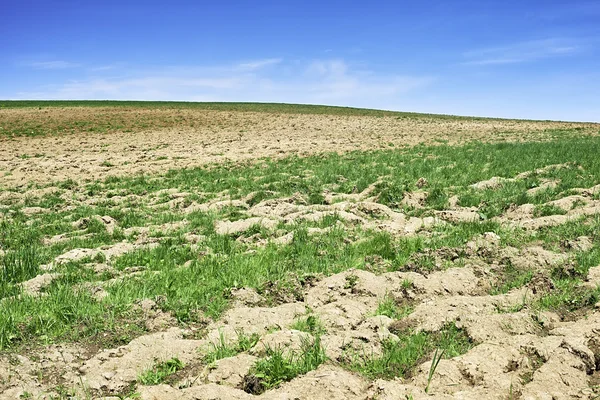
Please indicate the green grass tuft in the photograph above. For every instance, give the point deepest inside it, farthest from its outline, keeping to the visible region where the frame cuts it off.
(511, 278)
(545, 210)
(310, 324)
(400, 357)
(278, 367)
(390, 307)
(223, 350)
(568, 296)
(160, 372)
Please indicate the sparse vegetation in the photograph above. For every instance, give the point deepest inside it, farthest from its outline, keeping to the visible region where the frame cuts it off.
(568, 296)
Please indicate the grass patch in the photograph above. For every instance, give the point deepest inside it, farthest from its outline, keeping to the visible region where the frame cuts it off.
(65, 315)
(511, 278)
(17, 266)
(390, 308)
(310, 324)
(222, 350)
(277, 178)
(567, 297)
(554, 237)
(400, 357)
(160, 372)
(278, 367)
(545, 210)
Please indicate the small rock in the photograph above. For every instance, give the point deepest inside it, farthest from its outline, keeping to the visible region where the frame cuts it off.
(453, 201)
(593, 278)
(109, 222)
(414, 199)
(230, 371)
(285, 239)
(108, 375)
(102, 268)
(243, 225)
(76, 255)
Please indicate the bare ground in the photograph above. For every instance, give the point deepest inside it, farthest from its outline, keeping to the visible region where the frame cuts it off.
(165, 139)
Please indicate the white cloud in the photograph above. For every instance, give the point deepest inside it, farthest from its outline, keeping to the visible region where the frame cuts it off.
(315, 81)
(523, 52)
(334, 81)
(57, 64)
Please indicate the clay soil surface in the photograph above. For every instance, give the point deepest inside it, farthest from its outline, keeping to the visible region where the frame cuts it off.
(190, 254)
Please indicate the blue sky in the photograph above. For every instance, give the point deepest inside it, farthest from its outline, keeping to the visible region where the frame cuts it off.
(524, 59)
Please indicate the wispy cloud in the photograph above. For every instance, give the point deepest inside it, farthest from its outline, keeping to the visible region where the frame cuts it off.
(258, 64)
(330, 81)
(334, 80)
(107, 67)
(523, 52)
(56, 64)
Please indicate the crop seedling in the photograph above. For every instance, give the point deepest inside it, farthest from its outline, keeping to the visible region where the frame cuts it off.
(437, 357)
